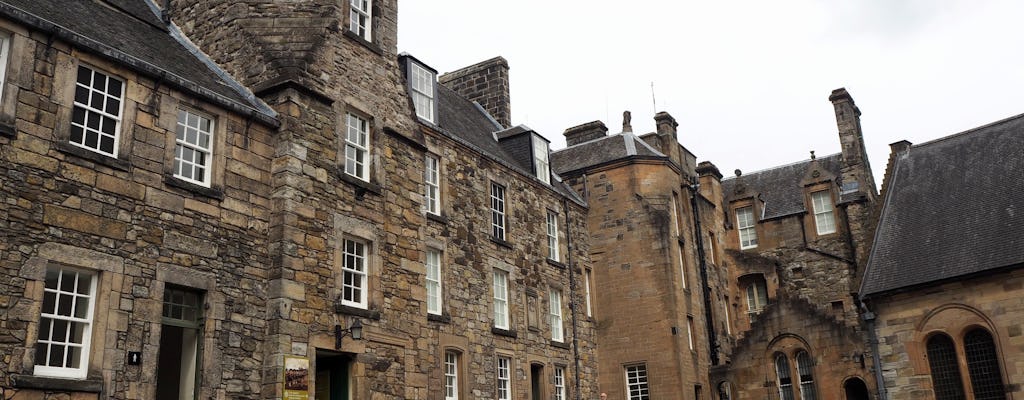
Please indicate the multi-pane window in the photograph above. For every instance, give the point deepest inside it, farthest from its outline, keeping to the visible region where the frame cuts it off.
(422, 83)
(636, 382)
(500, 288)
(745, 226)
(353, 285)
(553, 236)
(497, 211)
(193, 147)
(179, 344)
(357, 146)
(785, 380)
(433, 281)
(96, 116)
(432, 183)
(5, 49)
(65, 323)
(824, 218)
(586, 291)
(451, 375)
(946, 383)
(555, 311)
(540, 159)
(682, 266)
(805, 369)
(983, 365)
(504, 378)
(560, 383)
(689, 331)
(360, 18)
(757, 296)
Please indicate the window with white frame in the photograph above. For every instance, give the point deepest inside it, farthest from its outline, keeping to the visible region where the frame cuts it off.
(757, 295)
(636, 382)
(540, 159)
(193, 147)
(65, 323)
(432, 183)
(745, 226)
(682, 266)
(555, 311)
(728, 321)
(5, 50)
(357, 146)
(586, 290)
(689, 331)
(675, 213)
(451, 375)
(497, 211)
(434, 281)
(500, 288)
(422, 84)
(361, 18)
(354, 271)
(560, 383)
(824, 218)
(553, 236)
(504, 376)
(96, 115)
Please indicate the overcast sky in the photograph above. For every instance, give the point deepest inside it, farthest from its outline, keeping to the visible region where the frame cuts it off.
(748, 81)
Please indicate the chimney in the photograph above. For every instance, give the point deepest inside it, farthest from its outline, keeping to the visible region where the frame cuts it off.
(666, 124)
(855, 166)
(710, 181)
(485, 83)
(895, 150)
(585, 133)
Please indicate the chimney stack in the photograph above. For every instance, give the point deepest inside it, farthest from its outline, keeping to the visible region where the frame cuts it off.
(585, 133)
(486, 83)
(855, 165)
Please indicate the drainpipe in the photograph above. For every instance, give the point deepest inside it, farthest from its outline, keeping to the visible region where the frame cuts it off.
(709, 322)
(572, 297)
(876, 362)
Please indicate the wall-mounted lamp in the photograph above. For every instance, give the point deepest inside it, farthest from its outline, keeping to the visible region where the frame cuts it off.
(355, 330)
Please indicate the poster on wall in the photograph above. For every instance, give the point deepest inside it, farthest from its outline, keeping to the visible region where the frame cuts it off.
(296, 378)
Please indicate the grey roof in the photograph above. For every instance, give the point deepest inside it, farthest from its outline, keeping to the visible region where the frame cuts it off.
(599, 151)
(955, 208)
(131, 34)
(779, 187)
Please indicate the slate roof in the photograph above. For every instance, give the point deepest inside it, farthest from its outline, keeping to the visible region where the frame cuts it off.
(955, 208)
(599, 151)
(779, 187)
(131, 34)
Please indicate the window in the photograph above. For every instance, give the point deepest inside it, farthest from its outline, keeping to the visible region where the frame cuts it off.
(724, 392)
(553, 236)
(804, 368)
(451, 375)
(65, 323)
(360, 18)
(193, 148)
(745, 226)
(501, 299)
(353, 286)
(560, 383)
(983, 365)
(433, 281)
(5, 50)
(540, 159)
(178, 360)
(96, 116)
(636, 383)
(586, 290)
(555, 310)
(946, 381)
(682, 266)
(689, 331)
(497, 211)
(357, 146)
(728, 321)
(504, 378)
(824, 219)
(675, 213)
(784, 380)
(709, 248)
(431, 178)
(757, 295)
(422, 82)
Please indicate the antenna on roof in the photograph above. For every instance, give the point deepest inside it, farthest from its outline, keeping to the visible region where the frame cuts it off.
(654, 102)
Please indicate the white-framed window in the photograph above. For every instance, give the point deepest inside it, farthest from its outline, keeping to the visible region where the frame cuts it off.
(728, 321)
(357, 146)
(675, 213)
(689, 331)
(757, 296)
(586, 291)
(5, 50)
(422, 83)
(553, 236)
(434, 288)
(354, 271)
(361, 18)
(824, 218)
(636, 382)
(682, 267)
(745, 226)
(500, 288)
(193, 147)
(432, 184)
(504, 375)
(540, 159)
(96, 115)
(785, 380)
(560, 383)
(555, 311)
(65, 323)
(451, 375)
(498, 211)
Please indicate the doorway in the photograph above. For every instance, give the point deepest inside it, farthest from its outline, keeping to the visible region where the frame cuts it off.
(536, 381)
(333, 376)
(856, 389)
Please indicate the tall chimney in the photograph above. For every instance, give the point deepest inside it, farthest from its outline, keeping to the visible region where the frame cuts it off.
(486, 83)
(855, 166)
(585, 133)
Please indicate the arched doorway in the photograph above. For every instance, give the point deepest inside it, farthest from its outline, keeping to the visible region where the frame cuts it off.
(856, 389)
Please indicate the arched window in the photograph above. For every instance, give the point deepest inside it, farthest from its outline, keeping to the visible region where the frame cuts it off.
(945, 373)
(983, 365)
(785, 381)
(724, 393)
(804, 367)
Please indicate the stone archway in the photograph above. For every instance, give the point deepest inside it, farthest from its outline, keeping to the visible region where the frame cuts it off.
(856, 389)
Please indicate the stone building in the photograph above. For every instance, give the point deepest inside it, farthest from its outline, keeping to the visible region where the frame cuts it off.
(944, 281)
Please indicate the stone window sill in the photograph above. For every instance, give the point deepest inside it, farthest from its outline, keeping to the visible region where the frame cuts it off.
(115, 163)
(556, 264)
(442, 318)
(441, 219)
(561, 345)
(501, 242)
(504, 332)
(359, 312)
(92, 385)
(7, 129)
(211, 192)
(361, 186)
(366, 43)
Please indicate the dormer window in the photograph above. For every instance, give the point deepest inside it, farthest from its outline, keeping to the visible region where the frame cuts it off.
(540, 159)
(360, 18)
(421, 81)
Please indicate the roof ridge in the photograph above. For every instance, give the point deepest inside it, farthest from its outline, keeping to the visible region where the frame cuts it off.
(969, 131)
(783, 166)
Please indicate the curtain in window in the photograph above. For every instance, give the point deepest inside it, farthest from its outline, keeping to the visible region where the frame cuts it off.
(945, 373)
(983, 365)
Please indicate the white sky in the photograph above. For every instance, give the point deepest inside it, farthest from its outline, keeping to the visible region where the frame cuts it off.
(748, 81)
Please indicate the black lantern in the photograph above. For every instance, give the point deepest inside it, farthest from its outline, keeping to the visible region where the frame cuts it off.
(355, 331)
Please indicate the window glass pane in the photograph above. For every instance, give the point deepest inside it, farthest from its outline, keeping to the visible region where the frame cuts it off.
(983, 365)
(945, 372)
